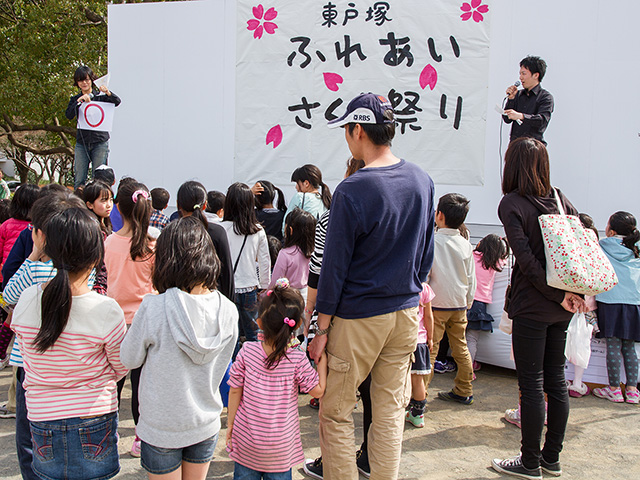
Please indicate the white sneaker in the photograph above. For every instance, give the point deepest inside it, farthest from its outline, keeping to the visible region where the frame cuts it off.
(6, 413)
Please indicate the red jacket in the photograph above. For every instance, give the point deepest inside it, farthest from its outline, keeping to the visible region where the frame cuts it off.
(9, 232)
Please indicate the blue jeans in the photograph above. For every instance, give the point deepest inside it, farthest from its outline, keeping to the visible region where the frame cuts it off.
(538, 349)
(96, 154)
(23, 430)
(247, 304)
(159, 461)
(241, 472)
(76, 448)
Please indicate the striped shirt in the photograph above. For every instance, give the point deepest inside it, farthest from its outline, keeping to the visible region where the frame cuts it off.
(266, 429)
(318, 251)
(76, 377)
(29, 273)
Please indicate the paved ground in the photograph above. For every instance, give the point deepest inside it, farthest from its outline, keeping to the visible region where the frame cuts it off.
(458, 442)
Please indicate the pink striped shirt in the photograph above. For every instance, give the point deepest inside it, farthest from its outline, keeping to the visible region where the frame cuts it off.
(266, 429)
(77, 376)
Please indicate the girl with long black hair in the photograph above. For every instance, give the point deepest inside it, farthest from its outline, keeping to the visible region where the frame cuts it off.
(70, 337)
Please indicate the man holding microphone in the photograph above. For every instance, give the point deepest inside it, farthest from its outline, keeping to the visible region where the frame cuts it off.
(531, 107)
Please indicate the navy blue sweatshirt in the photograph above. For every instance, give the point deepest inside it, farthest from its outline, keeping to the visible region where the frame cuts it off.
(379, 245)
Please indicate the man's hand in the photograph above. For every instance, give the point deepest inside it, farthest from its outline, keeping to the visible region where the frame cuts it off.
(104, 89)
(511, 91)
(317, 347)
(513, 115)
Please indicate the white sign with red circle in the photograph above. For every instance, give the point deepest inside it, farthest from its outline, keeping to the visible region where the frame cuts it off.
(96, 116)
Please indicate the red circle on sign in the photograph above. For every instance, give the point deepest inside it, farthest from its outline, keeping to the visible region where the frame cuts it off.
(101, 114)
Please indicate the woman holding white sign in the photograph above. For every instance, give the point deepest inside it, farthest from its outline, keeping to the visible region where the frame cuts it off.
(92, 146)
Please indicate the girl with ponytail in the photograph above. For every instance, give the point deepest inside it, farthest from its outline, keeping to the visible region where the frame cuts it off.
(265, 380)
(619, 308)
(70, 392)
(308, 179)
(192, 201)
(129, 259)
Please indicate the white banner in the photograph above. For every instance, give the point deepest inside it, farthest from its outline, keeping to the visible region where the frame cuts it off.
(96, 116)
(300, 63)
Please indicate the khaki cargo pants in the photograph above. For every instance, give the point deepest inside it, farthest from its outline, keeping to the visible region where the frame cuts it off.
(382, 345)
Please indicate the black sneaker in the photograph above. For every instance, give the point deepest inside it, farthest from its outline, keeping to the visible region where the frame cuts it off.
(313, 468)
(362, 461)
(552, 469)
(513, 466)
(453, 397)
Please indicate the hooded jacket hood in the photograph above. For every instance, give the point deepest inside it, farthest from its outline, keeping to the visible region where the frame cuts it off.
(195, 324)
(545, 205)
(627, 269)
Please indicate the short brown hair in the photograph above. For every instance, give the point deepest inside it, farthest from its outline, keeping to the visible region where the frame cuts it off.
(526, 168)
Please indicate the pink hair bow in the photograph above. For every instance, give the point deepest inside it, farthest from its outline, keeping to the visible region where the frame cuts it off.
(290, 321)
(144, 194)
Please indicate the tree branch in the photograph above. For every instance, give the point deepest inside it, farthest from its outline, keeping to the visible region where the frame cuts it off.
(36, 151)
(57, 128)
(64, 138)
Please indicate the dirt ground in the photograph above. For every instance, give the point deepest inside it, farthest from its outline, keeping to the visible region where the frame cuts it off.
(458, 442)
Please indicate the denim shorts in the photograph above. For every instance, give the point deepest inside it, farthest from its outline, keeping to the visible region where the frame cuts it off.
(158, 460)
(89, 444)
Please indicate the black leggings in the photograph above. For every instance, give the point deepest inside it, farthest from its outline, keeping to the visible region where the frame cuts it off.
(365, 395)
(443, 349)
(538, 349)
(135, 383)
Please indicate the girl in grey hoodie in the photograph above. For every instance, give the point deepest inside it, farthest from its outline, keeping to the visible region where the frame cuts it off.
(183, 338)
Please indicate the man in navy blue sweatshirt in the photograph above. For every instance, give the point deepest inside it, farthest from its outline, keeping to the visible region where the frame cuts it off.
(378, 251)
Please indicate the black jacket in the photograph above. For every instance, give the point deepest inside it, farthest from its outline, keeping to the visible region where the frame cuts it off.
(530, 296)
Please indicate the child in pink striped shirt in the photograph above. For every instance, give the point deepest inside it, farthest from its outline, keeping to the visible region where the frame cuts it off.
(263, 433)
(69, 337)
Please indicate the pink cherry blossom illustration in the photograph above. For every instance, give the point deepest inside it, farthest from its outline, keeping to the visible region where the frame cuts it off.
(473, 9)
(331, 80)
(260, 27)
(274, 135)
(429, 76)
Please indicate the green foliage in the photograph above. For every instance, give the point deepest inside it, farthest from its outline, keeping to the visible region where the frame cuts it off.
(42, 42)
(41, 45)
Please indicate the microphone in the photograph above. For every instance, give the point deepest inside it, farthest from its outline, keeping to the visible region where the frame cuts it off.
(517, 84)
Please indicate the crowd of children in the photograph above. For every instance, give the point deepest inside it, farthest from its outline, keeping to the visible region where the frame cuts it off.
(95, 286)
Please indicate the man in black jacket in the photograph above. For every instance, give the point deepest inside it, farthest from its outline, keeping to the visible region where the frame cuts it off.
(531, 107)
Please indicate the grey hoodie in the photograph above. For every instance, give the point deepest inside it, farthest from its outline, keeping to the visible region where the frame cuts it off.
(184, 344)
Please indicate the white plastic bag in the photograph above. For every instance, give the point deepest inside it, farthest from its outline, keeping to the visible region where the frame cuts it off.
(578, 346)
(506, 324)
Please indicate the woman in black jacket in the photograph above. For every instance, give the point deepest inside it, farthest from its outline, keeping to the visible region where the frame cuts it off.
(540, 313)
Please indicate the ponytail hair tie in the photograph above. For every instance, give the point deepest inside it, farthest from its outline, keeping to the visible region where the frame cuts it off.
(290, 321)
(282, 283)
(144, 194)
(197, 205)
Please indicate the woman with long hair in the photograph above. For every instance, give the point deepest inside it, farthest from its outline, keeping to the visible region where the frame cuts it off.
(540, 313)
